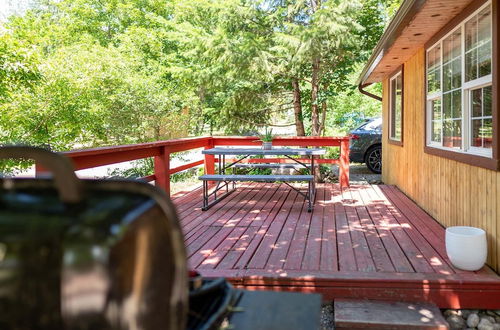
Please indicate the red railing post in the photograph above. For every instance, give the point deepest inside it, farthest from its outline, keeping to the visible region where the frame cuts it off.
(344, 163)
(210, 159)
(162, 170)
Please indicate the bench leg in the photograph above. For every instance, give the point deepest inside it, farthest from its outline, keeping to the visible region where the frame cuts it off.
(310, 196)
(206, 195)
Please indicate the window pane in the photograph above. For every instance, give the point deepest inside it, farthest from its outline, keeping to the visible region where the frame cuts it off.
(433, 81)
(471, 65)
(434, 69)
(469, 44)
(452, 61)
(456, 74)
(447, 133)
(484, 25)
(487, 133)
(452, 46)
(447, 72)
(471, 33)
(431, 59)
(447, 107)
(478, 45)
(487, 101)
(436, 120)
(457, 103)
(436, 109)
(477, 103)
(397, 110)
(476, 135)
(457, 134)
(452, 133)
(396, 107)
(484, 59)
(434, 57)
(436, 131)
(481, 122)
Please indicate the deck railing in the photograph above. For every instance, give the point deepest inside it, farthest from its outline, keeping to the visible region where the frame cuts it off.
(161, 151)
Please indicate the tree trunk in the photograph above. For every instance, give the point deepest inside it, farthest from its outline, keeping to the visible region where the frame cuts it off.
(323, 118)
(297, 108)
(314, 97)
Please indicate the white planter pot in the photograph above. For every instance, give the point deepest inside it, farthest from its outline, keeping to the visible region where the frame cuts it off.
(267, 145)
(466, 247)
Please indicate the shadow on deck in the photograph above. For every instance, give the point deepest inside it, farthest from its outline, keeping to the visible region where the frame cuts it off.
(369, 242)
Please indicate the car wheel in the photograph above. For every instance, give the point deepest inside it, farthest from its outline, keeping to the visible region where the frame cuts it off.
(373, 159)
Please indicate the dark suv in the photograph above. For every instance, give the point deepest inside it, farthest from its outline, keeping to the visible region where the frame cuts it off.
(366, 144)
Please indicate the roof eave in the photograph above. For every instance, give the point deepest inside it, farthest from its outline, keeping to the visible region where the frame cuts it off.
(404, 15)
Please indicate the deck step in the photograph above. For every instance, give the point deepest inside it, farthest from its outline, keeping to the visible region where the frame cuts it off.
(370, 314)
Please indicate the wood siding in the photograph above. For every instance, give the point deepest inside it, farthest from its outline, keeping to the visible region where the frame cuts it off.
(454, 193)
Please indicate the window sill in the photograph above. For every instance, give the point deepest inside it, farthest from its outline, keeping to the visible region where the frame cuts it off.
(395, 142)
(475, 160)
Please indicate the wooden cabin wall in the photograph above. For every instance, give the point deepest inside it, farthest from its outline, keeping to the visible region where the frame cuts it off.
(454, 193)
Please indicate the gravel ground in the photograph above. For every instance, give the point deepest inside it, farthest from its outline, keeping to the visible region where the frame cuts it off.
(472, 319)
(326, 322)
(360, 174)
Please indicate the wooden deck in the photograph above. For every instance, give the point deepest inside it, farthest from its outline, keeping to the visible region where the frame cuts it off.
(369, 242)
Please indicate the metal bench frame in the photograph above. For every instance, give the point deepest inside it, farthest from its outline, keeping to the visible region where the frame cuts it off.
(224, 181)
(310, 195)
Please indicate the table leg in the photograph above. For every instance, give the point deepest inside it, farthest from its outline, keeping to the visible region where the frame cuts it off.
(224, 171)
(314, 178)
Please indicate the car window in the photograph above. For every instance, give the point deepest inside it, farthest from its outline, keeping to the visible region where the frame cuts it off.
(371, 125)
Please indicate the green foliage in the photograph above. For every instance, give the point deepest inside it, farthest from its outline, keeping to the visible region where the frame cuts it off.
(349, 108)
(85, 73)
(267, 136)
(98, 88)
(18, 68)
(140, 168)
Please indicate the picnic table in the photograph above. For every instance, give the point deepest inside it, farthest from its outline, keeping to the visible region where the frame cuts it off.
(225, 180)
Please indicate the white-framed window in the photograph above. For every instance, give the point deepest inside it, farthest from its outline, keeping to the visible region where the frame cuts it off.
(459, 79)
(396, 107)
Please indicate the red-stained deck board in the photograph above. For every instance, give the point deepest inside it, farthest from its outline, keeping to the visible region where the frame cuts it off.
(221, 250)
(381, 258)
(232, 256)
(347, 260)
(213, 214)
(312, 252)
(297, 245)
(271, 234)
(234, 222)
(280, 249)
(362, 253)
(232, 208)
(267, 215)
(206, 233)
(412, 253)
(369, 242)
(421, 221)
(398, 258)
(429, 252)
(255, 217)
(189, 203)
(329, 256)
